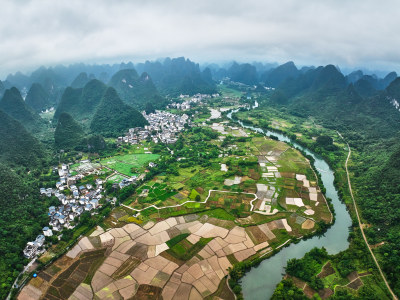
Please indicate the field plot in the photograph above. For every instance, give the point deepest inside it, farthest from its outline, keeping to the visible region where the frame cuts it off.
(84, 167)
(181, 230)
(129, 164)
(116, 178)
(177, 257)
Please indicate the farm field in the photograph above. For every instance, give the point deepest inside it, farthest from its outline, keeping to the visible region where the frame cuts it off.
(263, 179)
(129, 164)
(219, 199)
(116, 178)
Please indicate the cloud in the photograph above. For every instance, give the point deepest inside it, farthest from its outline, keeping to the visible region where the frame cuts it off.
(347, 33)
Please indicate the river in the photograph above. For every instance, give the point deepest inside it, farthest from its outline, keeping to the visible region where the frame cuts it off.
(260, 282)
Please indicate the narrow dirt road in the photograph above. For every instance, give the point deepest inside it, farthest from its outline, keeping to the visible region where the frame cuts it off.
(360, 224)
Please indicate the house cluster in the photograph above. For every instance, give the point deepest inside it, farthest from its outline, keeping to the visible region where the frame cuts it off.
(74, 200)
(189, 101)
(82, 198)
(33, 248)
(127, 181)
(163, 127)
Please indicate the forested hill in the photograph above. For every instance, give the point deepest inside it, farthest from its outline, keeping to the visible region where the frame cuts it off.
(17, 146)
(81, 103)
(113, 117)
(38, 98)
(369, 120)
(136, 90)
(2, 88)
(324, 93)
(276, 76)
(22, 218)
(80, 81)
(68, 134)
(13, 104)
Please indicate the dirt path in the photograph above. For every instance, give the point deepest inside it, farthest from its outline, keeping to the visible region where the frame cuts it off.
(360, 224)
(189, 201)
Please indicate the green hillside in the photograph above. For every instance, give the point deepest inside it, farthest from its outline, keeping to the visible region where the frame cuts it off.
(113, 117)
(17, 146)
(22, 217)
(80, 81)
(136, 90)
(13, 104)
(68, 134)
(81, 103)
(37, 98)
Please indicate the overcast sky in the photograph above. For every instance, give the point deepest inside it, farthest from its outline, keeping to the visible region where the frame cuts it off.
(357, 33)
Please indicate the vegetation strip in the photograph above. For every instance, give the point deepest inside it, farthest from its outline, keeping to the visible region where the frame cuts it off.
(361, 225)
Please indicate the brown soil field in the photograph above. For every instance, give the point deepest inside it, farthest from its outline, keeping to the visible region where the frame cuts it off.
(308, 291)
(352, 276)
(325, 293)
(326, 270)
(256, 235)
(356, 284)
(308, 224)
(148, 292)
(288, 175)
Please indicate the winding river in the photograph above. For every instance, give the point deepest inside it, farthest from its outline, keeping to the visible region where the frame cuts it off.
(260, 282)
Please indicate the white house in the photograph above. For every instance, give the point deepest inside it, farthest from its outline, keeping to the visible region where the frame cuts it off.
(47, 231)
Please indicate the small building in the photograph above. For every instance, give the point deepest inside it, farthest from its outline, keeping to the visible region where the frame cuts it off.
(94, 203)
(40, 239)
(47, 231)
(61, 219)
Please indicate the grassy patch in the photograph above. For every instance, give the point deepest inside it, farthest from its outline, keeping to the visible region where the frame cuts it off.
(116, 178)
(184, 250)
(193, 194)
(126, 268)
(129, 164)
(218, 213)
(172, 242)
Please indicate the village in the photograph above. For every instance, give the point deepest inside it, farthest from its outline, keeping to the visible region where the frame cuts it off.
(163, 127)
(186, 102)
(76, 199)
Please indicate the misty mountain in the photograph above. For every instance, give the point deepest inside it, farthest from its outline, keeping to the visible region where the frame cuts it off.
(244, 73)
(178, 76)
(68, 134)
(365, 87)
(80, 81)
(17, 146)
(113, 117)
(136, 90)
(324, 94)
(393, 90)
(276, 76)
(19, 80)
(13, 104)
(354, 76)
(2, 88)
(81, 103)
(37, 98)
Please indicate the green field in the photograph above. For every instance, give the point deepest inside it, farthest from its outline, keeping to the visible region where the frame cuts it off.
(116, 178)
(129, 164)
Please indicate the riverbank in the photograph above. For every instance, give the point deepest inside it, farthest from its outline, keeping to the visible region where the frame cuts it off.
(342, 185)
(254, 283)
